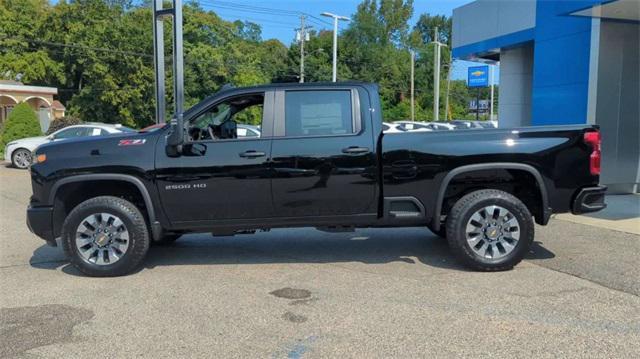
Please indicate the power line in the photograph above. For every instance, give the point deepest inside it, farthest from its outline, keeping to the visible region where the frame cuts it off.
(263, 10)
(58, 44)
(253, 19)
(251, 7)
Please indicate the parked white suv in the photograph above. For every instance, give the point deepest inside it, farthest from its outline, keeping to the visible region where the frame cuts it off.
(18, 152)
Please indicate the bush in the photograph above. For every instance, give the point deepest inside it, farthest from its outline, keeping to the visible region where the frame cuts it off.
(22, 122)
(63, 122)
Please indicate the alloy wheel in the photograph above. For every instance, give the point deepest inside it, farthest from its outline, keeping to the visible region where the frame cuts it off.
(102, 239)
(22, 158)
(492, 232)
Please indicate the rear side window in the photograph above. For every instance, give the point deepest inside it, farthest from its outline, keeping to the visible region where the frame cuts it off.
(318, 113)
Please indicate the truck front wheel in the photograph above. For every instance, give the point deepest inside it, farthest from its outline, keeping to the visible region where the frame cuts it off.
(105, 237)
(490, 230)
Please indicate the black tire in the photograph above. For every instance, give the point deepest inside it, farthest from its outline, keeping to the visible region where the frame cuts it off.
(460, 215)
(20, 157)
(129, 214)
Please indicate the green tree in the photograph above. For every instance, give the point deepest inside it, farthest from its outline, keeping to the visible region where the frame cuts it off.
(21, 25)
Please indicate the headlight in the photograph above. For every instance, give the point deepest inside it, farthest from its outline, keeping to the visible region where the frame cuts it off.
(12, 143)
(39, 158)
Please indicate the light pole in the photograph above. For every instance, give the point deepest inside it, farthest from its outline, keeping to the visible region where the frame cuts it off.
(413, 105)
(336, 18)
(436, 75)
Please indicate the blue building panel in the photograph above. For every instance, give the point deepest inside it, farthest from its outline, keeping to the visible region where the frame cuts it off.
(562, 45)
(553, 18)
(559, 105)
(561, 63)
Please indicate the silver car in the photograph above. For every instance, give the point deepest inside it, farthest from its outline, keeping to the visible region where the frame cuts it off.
(19, 152)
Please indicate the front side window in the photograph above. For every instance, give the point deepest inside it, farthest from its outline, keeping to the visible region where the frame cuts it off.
(222, 120)
(318, 113)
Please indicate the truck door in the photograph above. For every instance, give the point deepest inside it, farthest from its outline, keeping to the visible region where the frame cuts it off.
(220, 176)
(323, 152)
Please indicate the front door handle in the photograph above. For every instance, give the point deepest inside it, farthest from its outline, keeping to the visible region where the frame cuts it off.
(355, 150)
(252, 154)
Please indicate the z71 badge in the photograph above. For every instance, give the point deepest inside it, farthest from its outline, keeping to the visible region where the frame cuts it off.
(136, 142)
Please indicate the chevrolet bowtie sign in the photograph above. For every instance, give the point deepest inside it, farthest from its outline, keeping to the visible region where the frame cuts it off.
(478, 76)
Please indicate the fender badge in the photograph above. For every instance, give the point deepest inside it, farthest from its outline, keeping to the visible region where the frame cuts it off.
(137, 142)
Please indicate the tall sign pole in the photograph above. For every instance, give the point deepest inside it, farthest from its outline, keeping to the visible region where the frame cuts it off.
(159, 15)
(478, 77)
(158, 60)
(178, 59)
(491, 70)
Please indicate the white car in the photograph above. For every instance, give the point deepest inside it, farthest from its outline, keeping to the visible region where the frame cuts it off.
(18, 152)
(442, 126)
(247, 131)
(390, 128)
(413, 126)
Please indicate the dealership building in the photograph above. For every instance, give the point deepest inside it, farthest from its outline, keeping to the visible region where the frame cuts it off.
(564, 62)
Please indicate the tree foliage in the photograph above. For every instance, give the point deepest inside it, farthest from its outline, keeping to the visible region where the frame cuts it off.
(22, 122)
(98, 53)
(60, 123)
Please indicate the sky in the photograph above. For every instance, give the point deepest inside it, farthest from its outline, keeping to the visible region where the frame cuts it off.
(281, 26)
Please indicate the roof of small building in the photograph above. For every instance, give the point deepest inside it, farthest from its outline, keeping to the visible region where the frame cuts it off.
(57, 105)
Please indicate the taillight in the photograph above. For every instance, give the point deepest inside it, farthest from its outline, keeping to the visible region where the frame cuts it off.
(593, 140)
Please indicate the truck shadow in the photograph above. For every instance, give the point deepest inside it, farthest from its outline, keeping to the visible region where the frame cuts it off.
(412, 246)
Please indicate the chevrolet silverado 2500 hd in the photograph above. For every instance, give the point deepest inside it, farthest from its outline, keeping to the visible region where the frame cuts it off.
(320, 160)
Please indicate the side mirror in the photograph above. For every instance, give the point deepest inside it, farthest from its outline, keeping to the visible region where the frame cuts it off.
(175, 140)
(50, 138)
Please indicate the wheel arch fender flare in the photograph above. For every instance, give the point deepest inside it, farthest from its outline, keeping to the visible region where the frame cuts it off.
(435, 221)
(109, 177)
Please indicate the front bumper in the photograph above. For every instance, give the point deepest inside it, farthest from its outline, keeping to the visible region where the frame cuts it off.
(40, 223)
(589, 199)
(7, 153)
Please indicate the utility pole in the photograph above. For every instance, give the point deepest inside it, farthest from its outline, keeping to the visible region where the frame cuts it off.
(303, 36)
(413, 108)
(336, 18)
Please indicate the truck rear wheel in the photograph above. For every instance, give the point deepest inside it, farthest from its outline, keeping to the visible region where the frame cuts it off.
(105, 237)
(490, 230)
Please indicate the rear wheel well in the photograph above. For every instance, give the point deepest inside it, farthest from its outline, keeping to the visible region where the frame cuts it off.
(520, 183)
(69, 195)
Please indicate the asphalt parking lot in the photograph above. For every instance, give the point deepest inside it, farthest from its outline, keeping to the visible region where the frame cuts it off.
(304, 293)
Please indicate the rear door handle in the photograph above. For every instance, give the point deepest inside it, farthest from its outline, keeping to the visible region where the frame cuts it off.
(252, 154)
(355, 149)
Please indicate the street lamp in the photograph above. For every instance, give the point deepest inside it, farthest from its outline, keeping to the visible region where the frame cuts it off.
(335, 40)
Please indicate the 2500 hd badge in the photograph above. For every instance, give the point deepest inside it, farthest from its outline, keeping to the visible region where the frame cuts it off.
(171, 187)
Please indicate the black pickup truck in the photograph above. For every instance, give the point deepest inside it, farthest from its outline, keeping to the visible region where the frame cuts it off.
(318, 159)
